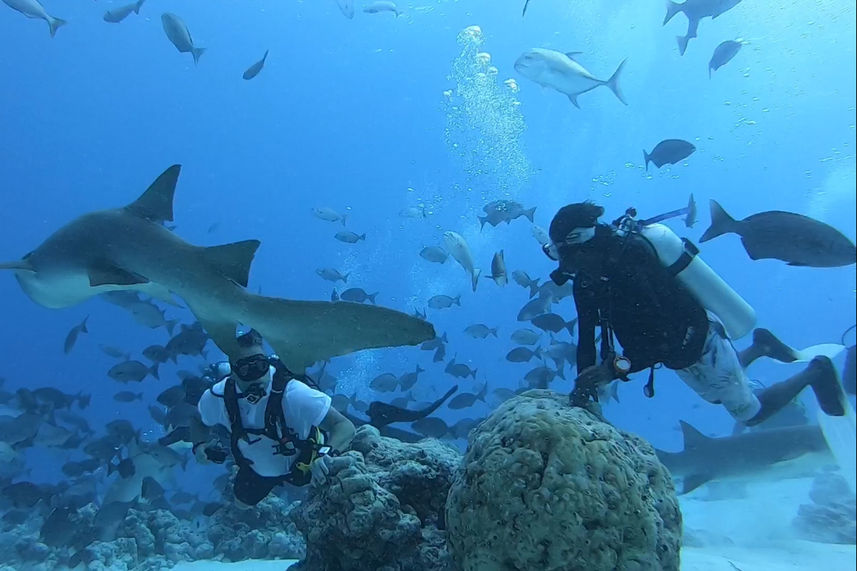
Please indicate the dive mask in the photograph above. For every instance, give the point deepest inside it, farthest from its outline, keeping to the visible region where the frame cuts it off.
(251, 368)
(576, 237)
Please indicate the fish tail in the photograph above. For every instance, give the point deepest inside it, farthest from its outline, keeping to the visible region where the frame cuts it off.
(371, 297)
(344, 218)
(345, 278)
(474, 278)
(154, 371)
(482, 221)
(197, 53)
(83, 328)
(362, 237)
(55, 23)
(457, 301)
(473, 373)
(529, 213)
(138, 6)
(647, 158)
(682, 43)
(171, 325)
(493, 332)
(721, 223)
(613, 82)
(673, 8)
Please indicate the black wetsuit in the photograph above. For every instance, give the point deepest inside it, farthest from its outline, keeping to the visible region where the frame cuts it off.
(653, 316)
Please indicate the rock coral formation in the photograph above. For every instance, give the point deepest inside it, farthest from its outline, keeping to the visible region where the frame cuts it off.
(830, 518)
(383, 509)
(548, 487)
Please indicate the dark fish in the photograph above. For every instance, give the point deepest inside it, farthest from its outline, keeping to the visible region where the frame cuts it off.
(526, 3)
(172, 396)
(382, 414)
(434, 254)
(464, 400)
(695, 10)
(524, 280)
(71, 338)
(16, 517)
(122, 430)
(179, 35)
(523, 354)
(24, 494)
(157, 354)
(462, 428)
(722, 54)
(190, 340)
(534, 308)
(125, 468)
(480, 331)
(792, 238)
(525, 337)
(432, 427)
(58, 528)
(384, 383)
(669, 151)
(349, 237)
(181, 415)
(116, 15)
(358, 295)
(459, 370)
(408, 380)
(132, 371)
(434, 343)
(553, 322)
(104, 448)
(254, 69)
(439, 354)
(158, 414)
(498, 269)
(443, 301)
(127, 396)
(498, 211)
(540, 377)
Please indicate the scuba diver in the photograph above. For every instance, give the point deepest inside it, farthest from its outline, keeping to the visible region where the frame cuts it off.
(281, 430)
(639, 282)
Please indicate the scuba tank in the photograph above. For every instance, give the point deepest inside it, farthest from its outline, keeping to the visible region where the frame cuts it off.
(679, 256)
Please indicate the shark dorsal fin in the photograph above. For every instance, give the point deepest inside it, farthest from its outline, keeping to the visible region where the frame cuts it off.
(233, 260)
(692, 437)
(156, 204)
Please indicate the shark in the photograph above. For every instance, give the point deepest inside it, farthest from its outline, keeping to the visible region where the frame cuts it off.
(131, 248)
(774, 452)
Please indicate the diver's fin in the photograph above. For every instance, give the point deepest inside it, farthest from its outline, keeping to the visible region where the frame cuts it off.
(839, 432)
(829, 350)
(110, 274)
(156, 204)
(233, 260)
(304, 332)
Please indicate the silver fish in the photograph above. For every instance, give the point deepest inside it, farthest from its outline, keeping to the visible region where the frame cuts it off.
(71, 338)
(498, 269)
(179, 35)
(33, 9)
(457, 247)
(443, 301)
(116, 15)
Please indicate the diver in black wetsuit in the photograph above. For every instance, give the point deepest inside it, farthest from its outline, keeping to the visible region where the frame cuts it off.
(621, 286)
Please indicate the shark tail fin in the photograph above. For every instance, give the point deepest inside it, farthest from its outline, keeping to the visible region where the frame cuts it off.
(138, 6)
(721, 223)
(55, 24)
(304, 332)
(233, 260)
(613, 83)
(156, 203)
(673, 8)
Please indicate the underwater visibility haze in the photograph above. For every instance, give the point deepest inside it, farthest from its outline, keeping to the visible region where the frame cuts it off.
(373, 187)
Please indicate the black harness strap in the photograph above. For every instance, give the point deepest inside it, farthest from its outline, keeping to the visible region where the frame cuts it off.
(688, 254)
(287, 441)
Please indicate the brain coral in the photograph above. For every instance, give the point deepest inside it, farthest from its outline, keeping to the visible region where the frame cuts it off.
(549, 487)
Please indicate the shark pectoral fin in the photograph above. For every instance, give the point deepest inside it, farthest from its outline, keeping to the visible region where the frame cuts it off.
(18, 265)
(233, 260)
(109, 274)
(304, 332)
(693, 481)
(156, 203)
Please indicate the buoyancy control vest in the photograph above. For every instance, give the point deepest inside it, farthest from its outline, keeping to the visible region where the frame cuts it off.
(680, 257)
(287, 441)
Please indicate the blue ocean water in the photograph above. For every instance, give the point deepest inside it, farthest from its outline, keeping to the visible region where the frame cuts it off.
(352, 114)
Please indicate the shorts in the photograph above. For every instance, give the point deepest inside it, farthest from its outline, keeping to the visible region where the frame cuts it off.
(251, 488)
(718, 377)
